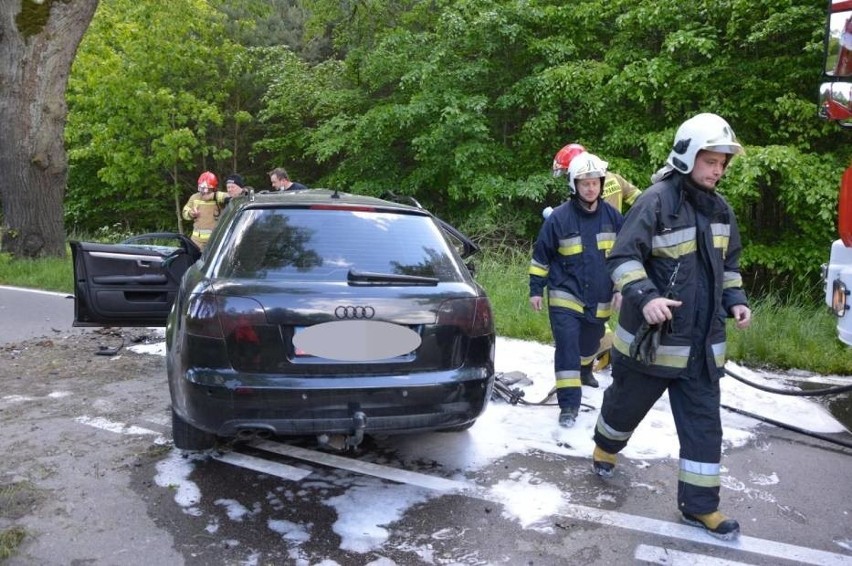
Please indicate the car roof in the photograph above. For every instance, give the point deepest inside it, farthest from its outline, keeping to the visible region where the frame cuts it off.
(311, 197)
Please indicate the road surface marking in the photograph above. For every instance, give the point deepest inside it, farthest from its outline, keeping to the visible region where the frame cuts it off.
(657, 555)
(264, 466)
(644, 525)
(112, 426)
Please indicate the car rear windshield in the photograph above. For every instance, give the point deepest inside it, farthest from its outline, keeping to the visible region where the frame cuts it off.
(324, 245)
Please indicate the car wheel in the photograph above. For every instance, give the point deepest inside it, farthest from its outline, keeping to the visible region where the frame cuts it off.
(187, 437)
(458, 428)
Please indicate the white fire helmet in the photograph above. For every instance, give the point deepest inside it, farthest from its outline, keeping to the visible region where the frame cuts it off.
(703, 131)
(585, 166)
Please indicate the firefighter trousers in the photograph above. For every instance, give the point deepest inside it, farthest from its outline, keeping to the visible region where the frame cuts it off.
(695, 408)
(577, 340)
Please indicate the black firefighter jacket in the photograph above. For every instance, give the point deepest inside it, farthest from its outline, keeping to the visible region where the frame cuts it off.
(682, 242)
(569, 258)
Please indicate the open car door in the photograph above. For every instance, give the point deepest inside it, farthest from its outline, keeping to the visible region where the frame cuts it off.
(133, 283)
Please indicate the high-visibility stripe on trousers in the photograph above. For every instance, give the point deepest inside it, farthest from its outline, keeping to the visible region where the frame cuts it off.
(695, 408)
(577, 342)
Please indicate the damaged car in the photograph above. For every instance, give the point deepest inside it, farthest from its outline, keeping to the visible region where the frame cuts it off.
(310, 312)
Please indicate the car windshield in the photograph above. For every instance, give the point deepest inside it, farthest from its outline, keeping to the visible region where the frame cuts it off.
(325, 245)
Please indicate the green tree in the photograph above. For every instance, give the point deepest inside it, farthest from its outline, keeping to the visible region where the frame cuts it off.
(148, 99)
(465, 109)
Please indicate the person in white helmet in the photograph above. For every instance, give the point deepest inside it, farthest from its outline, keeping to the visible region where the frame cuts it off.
(676, 263)
(617, 191)
(569, 259)
(621, 194)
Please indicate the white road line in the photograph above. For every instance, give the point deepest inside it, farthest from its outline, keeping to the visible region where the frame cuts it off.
(37, 291)
(657, 555)
(264, 466)
(112, 426)
(366, 468)
(759, 546)
(644, 525)
(162, 420)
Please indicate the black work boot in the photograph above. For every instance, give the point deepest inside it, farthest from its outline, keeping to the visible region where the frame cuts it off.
(587, 377)
(714, 523)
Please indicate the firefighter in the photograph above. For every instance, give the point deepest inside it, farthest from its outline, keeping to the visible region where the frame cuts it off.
(569, 259)
(619, 193)
(676, 263)
(203, 207)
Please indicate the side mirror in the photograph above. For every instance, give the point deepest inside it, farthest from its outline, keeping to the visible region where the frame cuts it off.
(835, 102)
(835, 94)
(838, 40)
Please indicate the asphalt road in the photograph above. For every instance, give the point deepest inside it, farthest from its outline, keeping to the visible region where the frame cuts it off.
(109, 489)
(27, 313)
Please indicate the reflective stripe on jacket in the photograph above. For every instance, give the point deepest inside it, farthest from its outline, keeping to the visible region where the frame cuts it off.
(667, 247)
(569, 258)
(208, 210)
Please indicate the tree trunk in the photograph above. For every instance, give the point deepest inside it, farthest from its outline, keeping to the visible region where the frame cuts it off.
(38, 42)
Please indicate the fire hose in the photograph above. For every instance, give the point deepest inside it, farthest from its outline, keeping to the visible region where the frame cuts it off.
(515, 396)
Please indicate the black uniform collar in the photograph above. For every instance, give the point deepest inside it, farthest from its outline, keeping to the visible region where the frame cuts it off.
(577, 202)
(705, 201)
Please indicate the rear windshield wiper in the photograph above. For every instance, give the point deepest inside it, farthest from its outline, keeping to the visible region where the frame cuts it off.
(370, 278)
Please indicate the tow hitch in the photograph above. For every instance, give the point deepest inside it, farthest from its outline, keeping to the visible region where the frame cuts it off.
(345, 442)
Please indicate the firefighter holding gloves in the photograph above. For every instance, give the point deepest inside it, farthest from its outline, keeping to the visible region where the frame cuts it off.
(676, 263)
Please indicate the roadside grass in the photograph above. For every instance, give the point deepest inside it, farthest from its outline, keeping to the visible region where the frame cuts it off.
(785, 333)
(49, 274)
(15, 500)
(10, 540)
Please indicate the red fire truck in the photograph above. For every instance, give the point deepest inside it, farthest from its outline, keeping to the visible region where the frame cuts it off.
(836, 105)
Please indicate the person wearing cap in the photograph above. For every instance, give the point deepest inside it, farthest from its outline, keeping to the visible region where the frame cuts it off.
(235, 185)
(676, 263)
(280, 181)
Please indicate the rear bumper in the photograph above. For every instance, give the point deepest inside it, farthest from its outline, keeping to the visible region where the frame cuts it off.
(308, 405)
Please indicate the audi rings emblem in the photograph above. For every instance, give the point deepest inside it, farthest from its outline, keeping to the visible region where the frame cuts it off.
(354, 312)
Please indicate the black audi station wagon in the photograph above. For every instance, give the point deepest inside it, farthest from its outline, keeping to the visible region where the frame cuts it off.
(309, 313)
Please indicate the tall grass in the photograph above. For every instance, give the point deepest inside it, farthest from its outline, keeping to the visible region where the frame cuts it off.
(50, 274)
(786, 332)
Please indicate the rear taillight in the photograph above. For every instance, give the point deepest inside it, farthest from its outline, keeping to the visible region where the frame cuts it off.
(472, 316)
(236, 318)
(202, 318)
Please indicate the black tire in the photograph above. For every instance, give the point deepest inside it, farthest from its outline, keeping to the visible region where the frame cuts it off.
(187, 437)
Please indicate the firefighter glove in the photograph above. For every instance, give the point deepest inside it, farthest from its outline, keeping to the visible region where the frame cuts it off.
(645, 343)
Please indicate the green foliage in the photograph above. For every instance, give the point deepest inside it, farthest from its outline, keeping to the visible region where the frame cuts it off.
(459, 103)
(786, 201)
(790, 335)
(146, 99)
